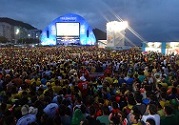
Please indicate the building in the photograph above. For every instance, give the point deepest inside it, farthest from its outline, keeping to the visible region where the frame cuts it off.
(34, 33)
(6, 30)
(165, 48)
(14, 30)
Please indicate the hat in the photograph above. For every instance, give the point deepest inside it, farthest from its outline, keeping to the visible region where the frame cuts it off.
(51, 109)
(25, 109)
(82, 78)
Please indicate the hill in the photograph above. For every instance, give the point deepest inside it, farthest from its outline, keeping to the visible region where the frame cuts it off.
(16, 23)
(99, 34)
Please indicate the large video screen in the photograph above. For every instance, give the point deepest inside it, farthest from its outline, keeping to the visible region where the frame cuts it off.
(68, 29)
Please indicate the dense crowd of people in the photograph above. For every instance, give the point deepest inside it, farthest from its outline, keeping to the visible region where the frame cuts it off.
(88, 86)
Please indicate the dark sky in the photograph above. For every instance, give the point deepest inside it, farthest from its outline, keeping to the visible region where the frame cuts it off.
(152, 20)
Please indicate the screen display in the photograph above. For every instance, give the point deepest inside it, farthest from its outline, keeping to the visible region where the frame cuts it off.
(68, 29)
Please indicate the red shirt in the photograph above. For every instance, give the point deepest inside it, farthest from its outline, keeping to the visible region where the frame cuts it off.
(83, 87)
(107, 72)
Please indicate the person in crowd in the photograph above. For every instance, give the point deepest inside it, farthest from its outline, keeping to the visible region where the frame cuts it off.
(77, 117)
(65, 114)
(91, 118)
(115, 115)
(28, 115)
(140, 106)
(151, 112)
(104, 118)
(85, 79)
(150, 121)
(169, 117)
(135, 118)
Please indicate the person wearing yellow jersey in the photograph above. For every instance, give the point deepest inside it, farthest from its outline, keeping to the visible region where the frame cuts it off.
(56, 87)
(146, 72)
(36, 80)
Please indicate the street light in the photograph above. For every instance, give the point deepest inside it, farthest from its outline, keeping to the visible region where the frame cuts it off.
(37, 37)
(17, 34)
(29, 35)
(17, 31)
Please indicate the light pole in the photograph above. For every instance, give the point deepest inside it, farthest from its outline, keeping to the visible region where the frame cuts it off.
(17, 34)
(116, 30)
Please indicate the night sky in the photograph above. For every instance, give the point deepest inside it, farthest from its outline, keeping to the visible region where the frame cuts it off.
(152, 20)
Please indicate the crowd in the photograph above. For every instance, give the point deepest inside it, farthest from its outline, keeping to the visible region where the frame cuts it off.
(88, 86)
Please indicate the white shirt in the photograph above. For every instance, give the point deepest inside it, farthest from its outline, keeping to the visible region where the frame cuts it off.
(156, 117)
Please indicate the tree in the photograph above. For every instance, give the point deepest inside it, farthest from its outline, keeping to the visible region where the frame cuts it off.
(28, 41)
(3, 39)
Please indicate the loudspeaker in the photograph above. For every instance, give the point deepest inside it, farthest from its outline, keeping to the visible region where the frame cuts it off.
(87, 33)
(47, 34)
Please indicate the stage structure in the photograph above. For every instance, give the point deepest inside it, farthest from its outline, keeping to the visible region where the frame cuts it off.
(116, 34)
(165, 48)
(69, 29)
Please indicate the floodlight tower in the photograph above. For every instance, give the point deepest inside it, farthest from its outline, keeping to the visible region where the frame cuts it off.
(116, 34)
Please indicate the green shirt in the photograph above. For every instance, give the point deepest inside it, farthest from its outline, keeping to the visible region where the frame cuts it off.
(103, 119)
(169, 120)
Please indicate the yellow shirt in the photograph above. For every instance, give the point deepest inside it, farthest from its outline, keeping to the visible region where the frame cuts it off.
(56, 89)
(163, 103)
